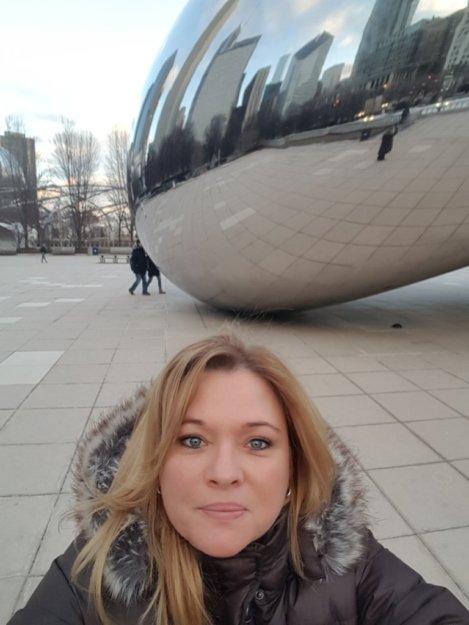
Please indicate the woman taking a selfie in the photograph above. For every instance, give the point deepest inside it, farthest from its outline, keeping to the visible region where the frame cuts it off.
(218, 496)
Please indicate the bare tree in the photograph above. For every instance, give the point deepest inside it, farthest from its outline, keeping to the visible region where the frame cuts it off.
(115, 165)
(76, 158)
(15, 123)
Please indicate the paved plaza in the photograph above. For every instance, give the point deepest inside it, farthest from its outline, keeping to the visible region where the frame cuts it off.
(73, 342)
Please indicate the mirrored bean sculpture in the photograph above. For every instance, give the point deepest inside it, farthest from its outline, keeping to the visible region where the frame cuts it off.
(291, 154)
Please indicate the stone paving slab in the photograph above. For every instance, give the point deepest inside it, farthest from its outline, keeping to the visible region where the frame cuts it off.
(73, 342)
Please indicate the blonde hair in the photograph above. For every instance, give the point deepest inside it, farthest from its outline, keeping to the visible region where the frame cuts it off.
(175, 573)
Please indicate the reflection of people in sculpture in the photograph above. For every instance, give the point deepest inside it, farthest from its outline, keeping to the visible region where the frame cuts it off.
(218, 496)
(386, 143)
(405, 113)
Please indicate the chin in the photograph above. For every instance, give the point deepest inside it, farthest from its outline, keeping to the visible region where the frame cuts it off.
(222, 550)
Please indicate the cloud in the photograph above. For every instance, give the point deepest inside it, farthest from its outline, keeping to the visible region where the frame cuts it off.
(347, 41)
(303, 6)
(49, 117)
(340, 21)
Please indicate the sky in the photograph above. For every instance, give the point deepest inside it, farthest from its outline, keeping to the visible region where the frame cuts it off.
(86, 60)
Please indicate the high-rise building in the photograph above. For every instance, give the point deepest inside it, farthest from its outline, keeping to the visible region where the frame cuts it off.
(388, 20)
(23, 150)
(18, 175)
(170, 112)
(281, 65)
(331, 77)
(220, 86)
(302, 77)
(458, 53)
(253, 95)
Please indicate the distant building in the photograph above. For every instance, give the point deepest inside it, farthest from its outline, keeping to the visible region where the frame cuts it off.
(280, 69)
(332, 77)
(139, 147)
(434, 45)
(18, 178)
(459, 50)
(219, 89)
(170, 115)
(393, 51)
(388, 21)
(253, 94)
(23, 149)
(301, 82)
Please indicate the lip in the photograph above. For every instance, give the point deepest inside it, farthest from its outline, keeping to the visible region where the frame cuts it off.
(223, 511)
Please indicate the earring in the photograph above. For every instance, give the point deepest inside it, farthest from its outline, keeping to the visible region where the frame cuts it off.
(288, 492)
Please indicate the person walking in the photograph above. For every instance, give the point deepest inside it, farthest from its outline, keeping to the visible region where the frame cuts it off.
(138, 264)
(154, 270)
(387, 141)
(43, 250)
(217, 494)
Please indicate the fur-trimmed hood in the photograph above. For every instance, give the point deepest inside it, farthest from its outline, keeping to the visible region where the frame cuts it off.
(337, 533)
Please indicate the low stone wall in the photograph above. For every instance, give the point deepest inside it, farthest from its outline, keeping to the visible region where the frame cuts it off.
(120, 250)
(62, 250)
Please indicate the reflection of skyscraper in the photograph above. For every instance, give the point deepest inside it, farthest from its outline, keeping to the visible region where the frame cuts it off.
(170, 112)
(150, 103)
(331, 77)
(388, 19)
(218, 91)
(282, 63)
(302, 78)
(253, 94)
(459, 50)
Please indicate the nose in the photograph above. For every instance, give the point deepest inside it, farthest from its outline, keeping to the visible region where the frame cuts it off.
(224, 467)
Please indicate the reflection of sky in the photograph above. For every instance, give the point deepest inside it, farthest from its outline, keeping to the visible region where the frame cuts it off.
(438, 8)
(285, 26)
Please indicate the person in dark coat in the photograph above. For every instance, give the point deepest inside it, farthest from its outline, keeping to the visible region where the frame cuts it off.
(387, 141)
(154, 270)
(138, 264)
(218, 495)
(43, 251)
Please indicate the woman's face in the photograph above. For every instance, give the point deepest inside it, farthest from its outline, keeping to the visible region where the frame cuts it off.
(226, 476)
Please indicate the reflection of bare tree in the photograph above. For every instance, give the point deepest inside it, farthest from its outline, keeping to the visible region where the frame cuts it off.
(230, 143)
(213, 139)
(173, 160)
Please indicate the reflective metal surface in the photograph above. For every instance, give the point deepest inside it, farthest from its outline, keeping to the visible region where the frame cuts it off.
(297, 153)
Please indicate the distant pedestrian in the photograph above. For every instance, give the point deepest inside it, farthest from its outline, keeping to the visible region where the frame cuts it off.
(154, 270)
(43, 250)
(386, 143)
(138, 264)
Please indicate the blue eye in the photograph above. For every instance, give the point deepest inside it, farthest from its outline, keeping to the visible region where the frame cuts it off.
(259, 443)
(194, 442)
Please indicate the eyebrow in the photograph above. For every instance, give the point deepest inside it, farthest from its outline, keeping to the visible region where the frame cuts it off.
(249, 424)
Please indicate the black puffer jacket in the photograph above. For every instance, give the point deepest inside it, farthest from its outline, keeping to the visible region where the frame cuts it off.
(138, 260)
(349, 578)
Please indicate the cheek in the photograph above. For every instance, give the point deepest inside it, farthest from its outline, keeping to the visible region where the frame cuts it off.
(177, 477)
